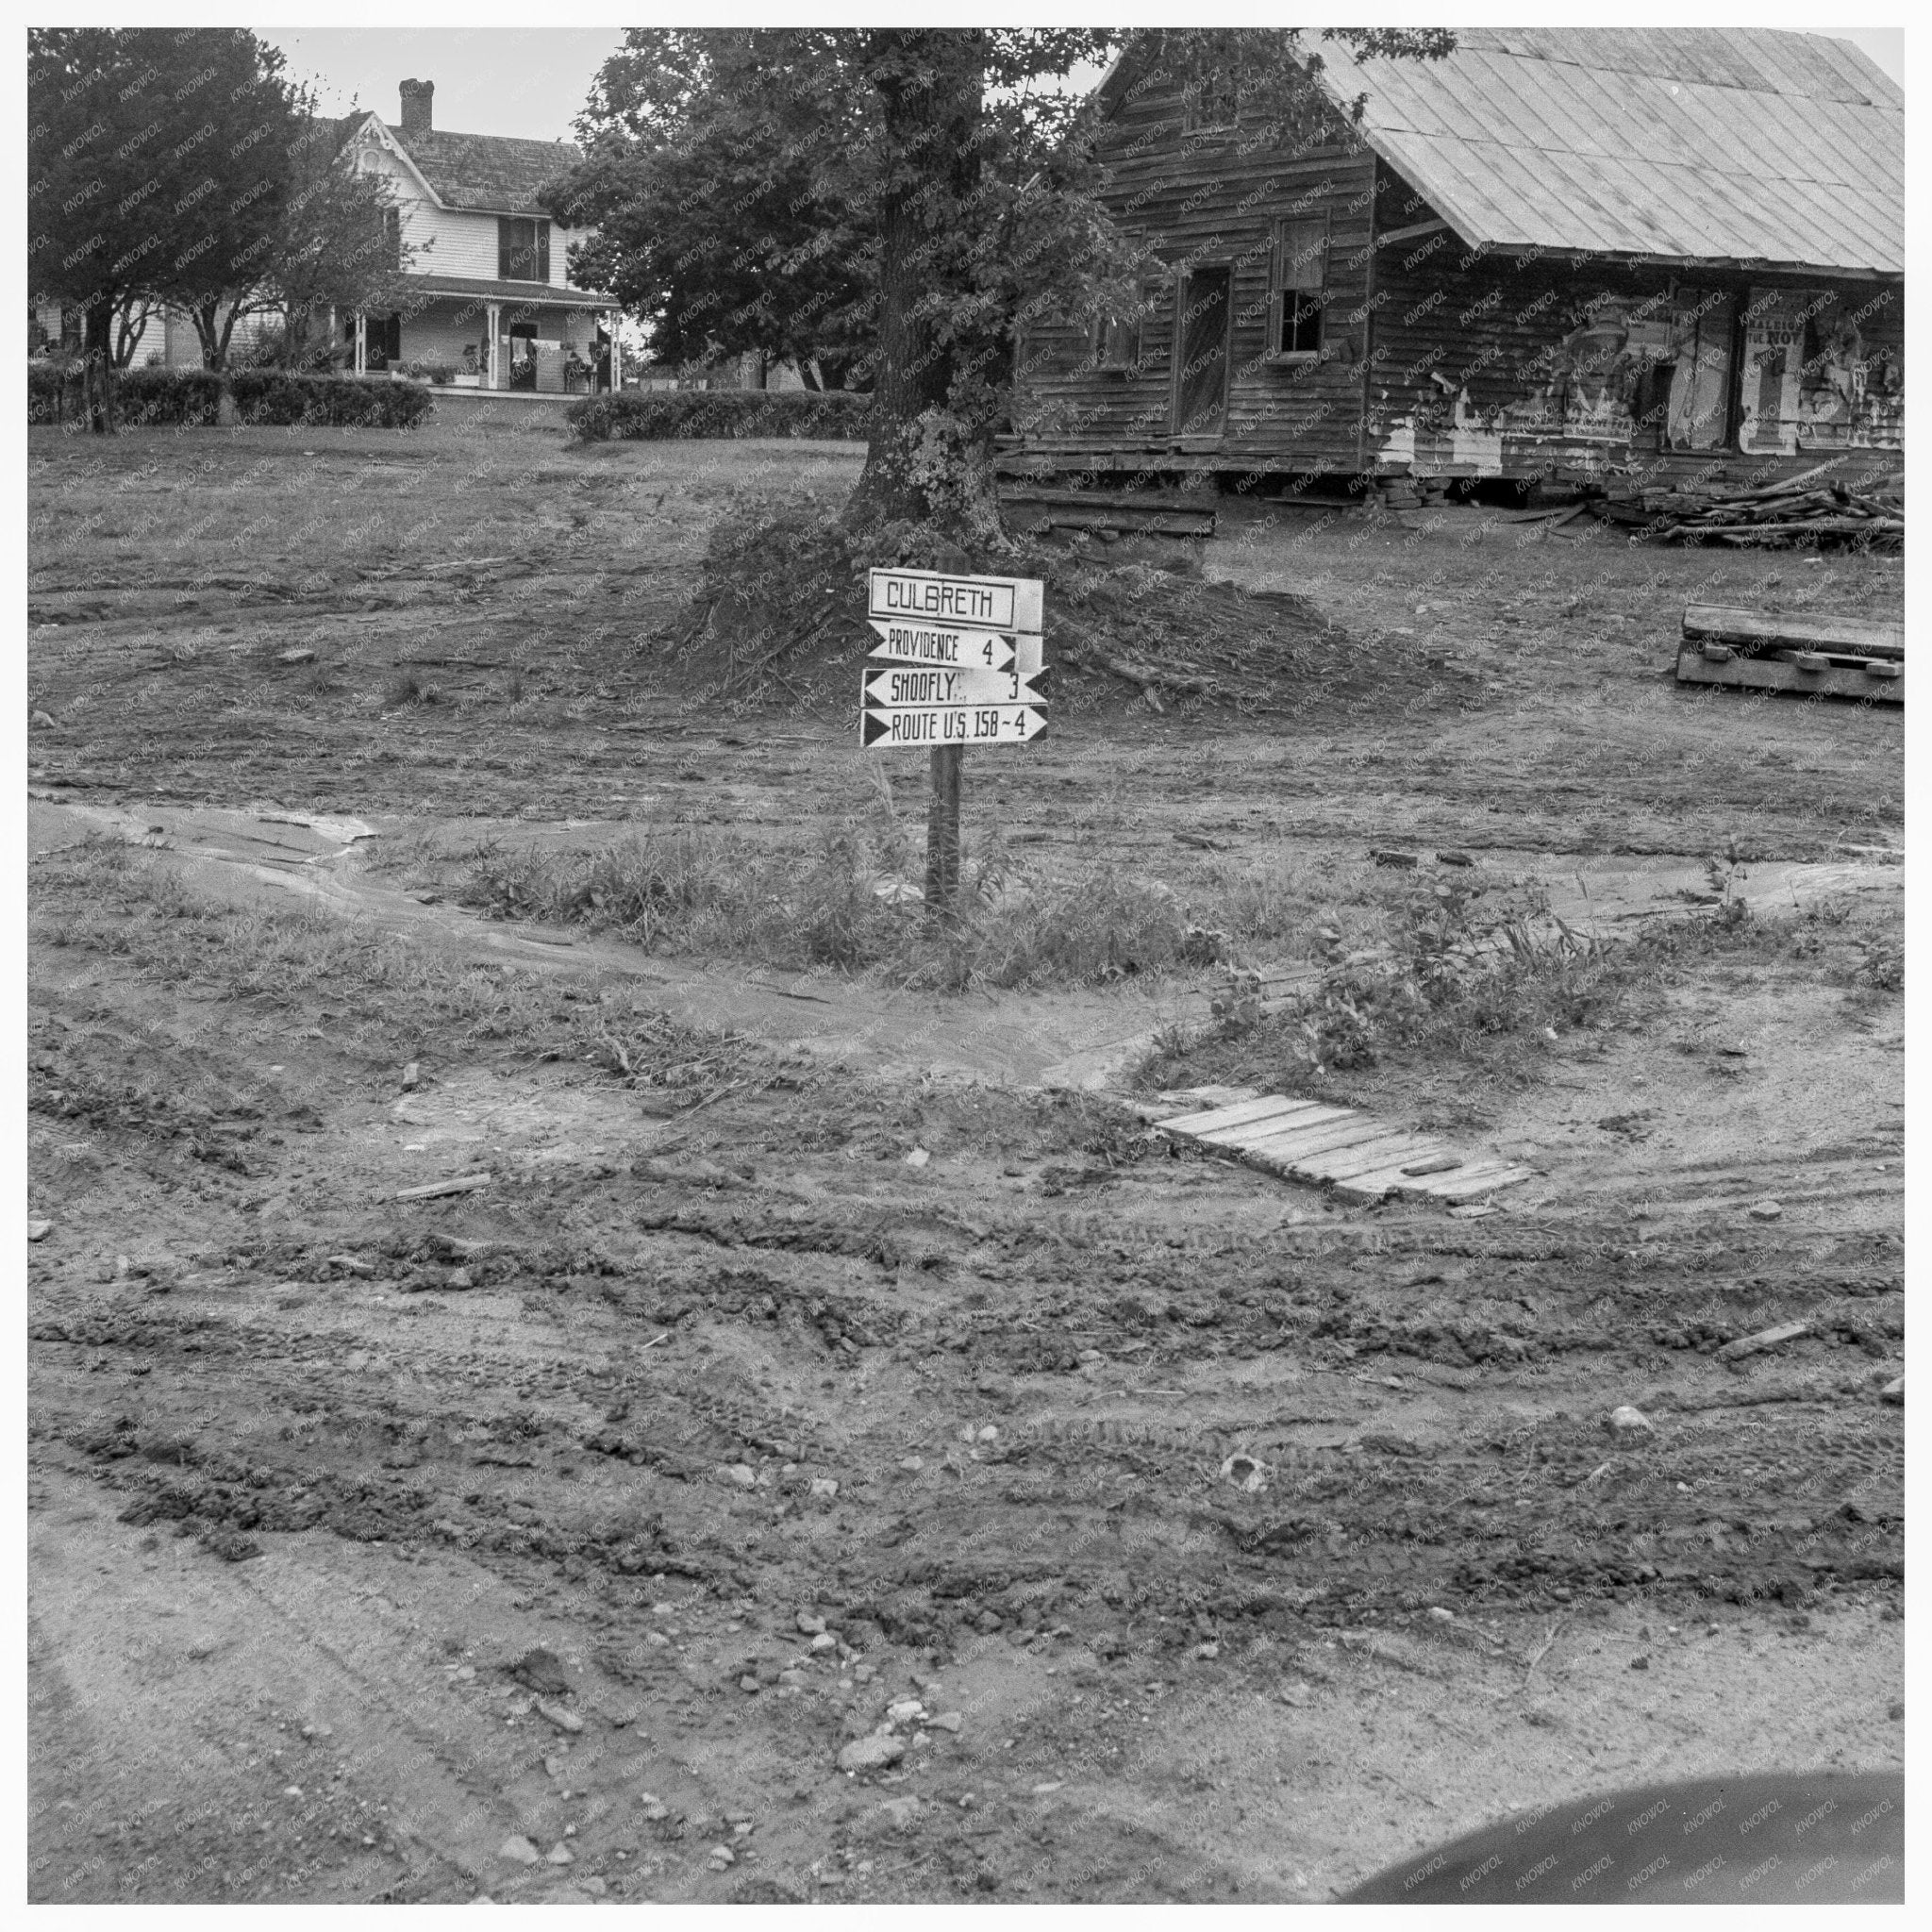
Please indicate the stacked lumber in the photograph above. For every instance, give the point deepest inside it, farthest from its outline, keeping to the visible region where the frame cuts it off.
(1809, 509)
(1815, 653)
(1036, 510)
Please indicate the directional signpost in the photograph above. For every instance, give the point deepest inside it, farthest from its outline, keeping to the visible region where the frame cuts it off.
(959, 657)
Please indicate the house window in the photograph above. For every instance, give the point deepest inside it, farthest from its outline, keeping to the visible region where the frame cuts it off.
(1295, 287)
(1210, 96)
(523, 249)
(1117, 341)
(393, 239)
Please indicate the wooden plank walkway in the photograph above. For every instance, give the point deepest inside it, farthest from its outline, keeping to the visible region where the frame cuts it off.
(1358, 1157)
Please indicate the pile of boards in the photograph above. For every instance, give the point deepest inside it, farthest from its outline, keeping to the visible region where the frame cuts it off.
(1815, 507)
(1812, 653)
(1107, 513)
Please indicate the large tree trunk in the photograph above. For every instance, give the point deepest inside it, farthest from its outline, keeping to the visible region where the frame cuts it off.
(97, 366)
(925, 464)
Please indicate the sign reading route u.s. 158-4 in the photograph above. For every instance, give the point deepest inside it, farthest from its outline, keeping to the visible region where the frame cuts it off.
(922, 727)
(959, 654)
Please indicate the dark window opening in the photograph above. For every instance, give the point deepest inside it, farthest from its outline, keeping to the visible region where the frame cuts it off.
(523, 249)
(1211, 94)
(1296, 286)
(393, 239)
(1301, 323)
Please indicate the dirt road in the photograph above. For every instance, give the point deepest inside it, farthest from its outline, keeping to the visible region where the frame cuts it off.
(1191, 1536)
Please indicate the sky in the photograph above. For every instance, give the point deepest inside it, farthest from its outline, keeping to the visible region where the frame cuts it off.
(531, 81)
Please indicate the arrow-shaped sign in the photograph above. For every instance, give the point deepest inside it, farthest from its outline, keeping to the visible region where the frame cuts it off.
(905, 684)
(922, 728)
(938, 644)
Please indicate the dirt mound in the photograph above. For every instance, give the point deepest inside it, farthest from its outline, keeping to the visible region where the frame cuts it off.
(779, 619)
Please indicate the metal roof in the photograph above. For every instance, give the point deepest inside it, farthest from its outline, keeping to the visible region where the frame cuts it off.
(1708, 144)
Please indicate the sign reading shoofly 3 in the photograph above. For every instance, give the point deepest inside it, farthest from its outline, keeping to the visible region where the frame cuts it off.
(972, 646)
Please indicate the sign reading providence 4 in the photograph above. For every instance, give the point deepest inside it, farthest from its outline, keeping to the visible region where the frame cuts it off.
(960, 654)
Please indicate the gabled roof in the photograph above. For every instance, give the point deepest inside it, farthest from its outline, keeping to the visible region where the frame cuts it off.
(493, 173)
(1704, 144)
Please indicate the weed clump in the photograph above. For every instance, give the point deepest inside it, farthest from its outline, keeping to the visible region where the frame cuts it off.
(849, 905)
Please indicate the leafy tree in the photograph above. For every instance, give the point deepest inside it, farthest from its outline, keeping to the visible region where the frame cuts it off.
(336, 244)
(709, 223)
(932, 188)
(137, 183)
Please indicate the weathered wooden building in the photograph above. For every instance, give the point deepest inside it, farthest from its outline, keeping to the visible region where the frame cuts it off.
(1559, 253)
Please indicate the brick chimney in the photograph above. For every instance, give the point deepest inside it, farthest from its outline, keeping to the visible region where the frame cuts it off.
(416, 97)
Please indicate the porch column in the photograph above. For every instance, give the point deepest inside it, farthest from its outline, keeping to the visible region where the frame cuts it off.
(616, 351)
(361, 342)
(494, 311)
(332, 319)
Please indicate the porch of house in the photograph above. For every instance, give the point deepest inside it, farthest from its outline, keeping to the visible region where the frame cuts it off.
(561, 344)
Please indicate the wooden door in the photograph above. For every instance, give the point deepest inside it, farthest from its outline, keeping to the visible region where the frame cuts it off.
(1200, 391)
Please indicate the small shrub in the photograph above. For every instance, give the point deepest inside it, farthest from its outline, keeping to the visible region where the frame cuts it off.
(147, 397)
(655, 415)
(277, 396)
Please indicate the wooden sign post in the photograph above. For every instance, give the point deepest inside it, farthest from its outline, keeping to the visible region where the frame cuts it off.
(977, 643)
(943, 834)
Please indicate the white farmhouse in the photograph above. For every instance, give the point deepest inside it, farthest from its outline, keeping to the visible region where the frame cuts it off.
(487, 290)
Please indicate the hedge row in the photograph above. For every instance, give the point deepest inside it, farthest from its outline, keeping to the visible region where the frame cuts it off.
(647, 415)
(194, 396)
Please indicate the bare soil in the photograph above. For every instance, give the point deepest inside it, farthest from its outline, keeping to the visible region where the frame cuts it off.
(1159, 1473)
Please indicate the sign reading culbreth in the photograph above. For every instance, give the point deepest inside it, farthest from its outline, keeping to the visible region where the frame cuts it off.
(964, 603)
(972, 646)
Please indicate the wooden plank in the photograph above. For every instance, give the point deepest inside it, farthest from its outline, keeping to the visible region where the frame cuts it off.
(1773, 673)
(1476, 1170)
(1858, 636)
(1367, 1158)
(1474, 1190)
(1765, 1338)
(1363, 1157)
(1292, 1148)
(1316, 1120)
(431, 1191)
(1392, 1179)
(1238, 1115)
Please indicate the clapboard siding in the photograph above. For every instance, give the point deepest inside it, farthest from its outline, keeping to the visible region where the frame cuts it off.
(1205, 201)
(1485, 364)
(1444, 360)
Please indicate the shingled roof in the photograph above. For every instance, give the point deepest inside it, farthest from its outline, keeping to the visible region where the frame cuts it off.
(494, 173)
(1714, 145)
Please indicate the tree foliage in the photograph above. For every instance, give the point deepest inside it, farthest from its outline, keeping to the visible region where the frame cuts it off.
(894, 202)
(335, 246)
(138, 184)
(180, 167)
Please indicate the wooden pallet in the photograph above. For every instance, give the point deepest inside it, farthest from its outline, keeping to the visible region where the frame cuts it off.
(1813, 654)
(1358, 1158)
(1833, 674)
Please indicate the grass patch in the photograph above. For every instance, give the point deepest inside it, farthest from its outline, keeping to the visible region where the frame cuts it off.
(850, 904)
